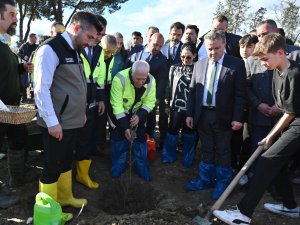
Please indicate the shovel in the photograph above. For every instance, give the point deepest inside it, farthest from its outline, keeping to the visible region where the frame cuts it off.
(231, 186)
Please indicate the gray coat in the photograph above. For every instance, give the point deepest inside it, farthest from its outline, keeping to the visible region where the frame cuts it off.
(259, 87)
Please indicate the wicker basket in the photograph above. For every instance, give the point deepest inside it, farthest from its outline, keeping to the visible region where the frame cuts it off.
(17, 115)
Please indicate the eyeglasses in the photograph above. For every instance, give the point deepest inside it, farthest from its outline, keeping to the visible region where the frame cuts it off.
(186, 57)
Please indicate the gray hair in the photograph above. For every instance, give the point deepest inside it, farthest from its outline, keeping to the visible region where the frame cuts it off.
(140, 66)
(109, 40)
(215, 35)
(118, 35)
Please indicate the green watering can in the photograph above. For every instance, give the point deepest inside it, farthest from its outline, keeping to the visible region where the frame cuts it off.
(47, 211)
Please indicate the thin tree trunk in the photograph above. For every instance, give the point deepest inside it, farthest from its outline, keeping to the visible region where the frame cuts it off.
(74, 11)
(21, 21)
(31, 18)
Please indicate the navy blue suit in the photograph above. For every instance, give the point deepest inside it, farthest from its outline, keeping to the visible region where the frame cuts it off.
(230, 104)
(166, 52)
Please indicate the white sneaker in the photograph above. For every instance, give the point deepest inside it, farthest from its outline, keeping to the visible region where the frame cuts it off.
(232, 217)
(281, 209)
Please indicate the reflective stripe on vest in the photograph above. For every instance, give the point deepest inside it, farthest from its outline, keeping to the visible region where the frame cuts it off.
(87, 69)
(102, 73)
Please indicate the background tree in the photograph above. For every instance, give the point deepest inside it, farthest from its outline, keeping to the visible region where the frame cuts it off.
(288, 16)
(235, 11)
(53, 10)
(255, 18)
(26, 8)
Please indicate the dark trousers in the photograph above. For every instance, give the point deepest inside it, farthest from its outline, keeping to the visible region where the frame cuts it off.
(215, 140)
(58, 154)
(82, 149)
(258, 133)
(99, 128)
(24, 84)
(162, 124)
(177, 122)
(236, 146)
(271, 167)
(163, 121)
(240, 147)
(16, 134)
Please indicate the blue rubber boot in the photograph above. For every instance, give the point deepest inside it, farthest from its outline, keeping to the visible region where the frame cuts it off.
(223, 177)
(188, 149)
(119, 151)
(141, 165)
(168, 154)
(205, 180)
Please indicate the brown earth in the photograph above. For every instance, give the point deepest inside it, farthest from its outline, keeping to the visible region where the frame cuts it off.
(131, 201)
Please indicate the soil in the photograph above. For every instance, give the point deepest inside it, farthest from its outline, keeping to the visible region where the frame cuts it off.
(129, 200)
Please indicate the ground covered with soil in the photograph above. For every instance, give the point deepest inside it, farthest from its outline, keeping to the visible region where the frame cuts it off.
(129, 200)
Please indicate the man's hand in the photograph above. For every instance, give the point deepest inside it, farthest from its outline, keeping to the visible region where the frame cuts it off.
(266, 142)
(56, 131)
(128, 134)
(28, 67)
(190, 122)
(275, 111)
(236, 125)
(101, 108)
(265, 109)
(134, 121)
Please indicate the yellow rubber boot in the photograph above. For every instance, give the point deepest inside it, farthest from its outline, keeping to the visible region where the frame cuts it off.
(64, 191)
(51, 190)
(83, 176)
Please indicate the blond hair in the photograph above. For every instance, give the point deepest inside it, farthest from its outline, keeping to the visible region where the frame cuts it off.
(270, 43)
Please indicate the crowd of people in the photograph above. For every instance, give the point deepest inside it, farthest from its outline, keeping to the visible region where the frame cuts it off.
(228, 92)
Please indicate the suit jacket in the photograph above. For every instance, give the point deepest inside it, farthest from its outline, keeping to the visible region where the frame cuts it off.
(92, 92)
(230, 95)
(232, 44)
(166, 52)
(158, 69)
(96, 54)
(259, 87)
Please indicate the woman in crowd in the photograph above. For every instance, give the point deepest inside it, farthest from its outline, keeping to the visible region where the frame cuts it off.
(176, 97)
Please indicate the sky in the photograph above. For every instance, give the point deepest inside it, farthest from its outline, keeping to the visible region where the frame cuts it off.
(138, 15)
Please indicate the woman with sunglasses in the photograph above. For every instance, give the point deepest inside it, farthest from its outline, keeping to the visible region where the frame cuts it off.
(176, 97)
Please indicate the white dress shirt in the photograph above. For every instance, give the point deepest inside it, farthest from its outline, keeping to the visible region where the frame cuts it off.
(202, 53)
(45, 65)
(145, 53)
(207, 80)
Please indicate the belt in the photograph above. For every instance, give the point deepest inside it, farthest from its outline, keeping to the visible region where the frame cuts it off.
(211, 108)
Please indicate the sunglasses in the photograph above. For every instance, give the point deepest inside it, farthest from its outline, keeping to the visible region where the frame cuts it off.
(186, 57)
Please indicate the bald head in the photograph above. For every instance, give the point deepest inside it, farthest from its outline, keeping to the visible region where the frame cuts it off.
(109, 44)
(155, 43)
(220, 23)
(266, 27)
(139, 73)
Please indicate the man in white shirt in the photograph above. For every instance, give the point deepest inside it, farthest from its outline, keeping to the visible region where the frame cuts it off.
(60, 95)
(215, 107)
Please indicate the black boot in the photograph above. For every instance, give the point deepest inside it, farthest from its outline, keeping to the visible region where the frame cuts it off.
(16, 167)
